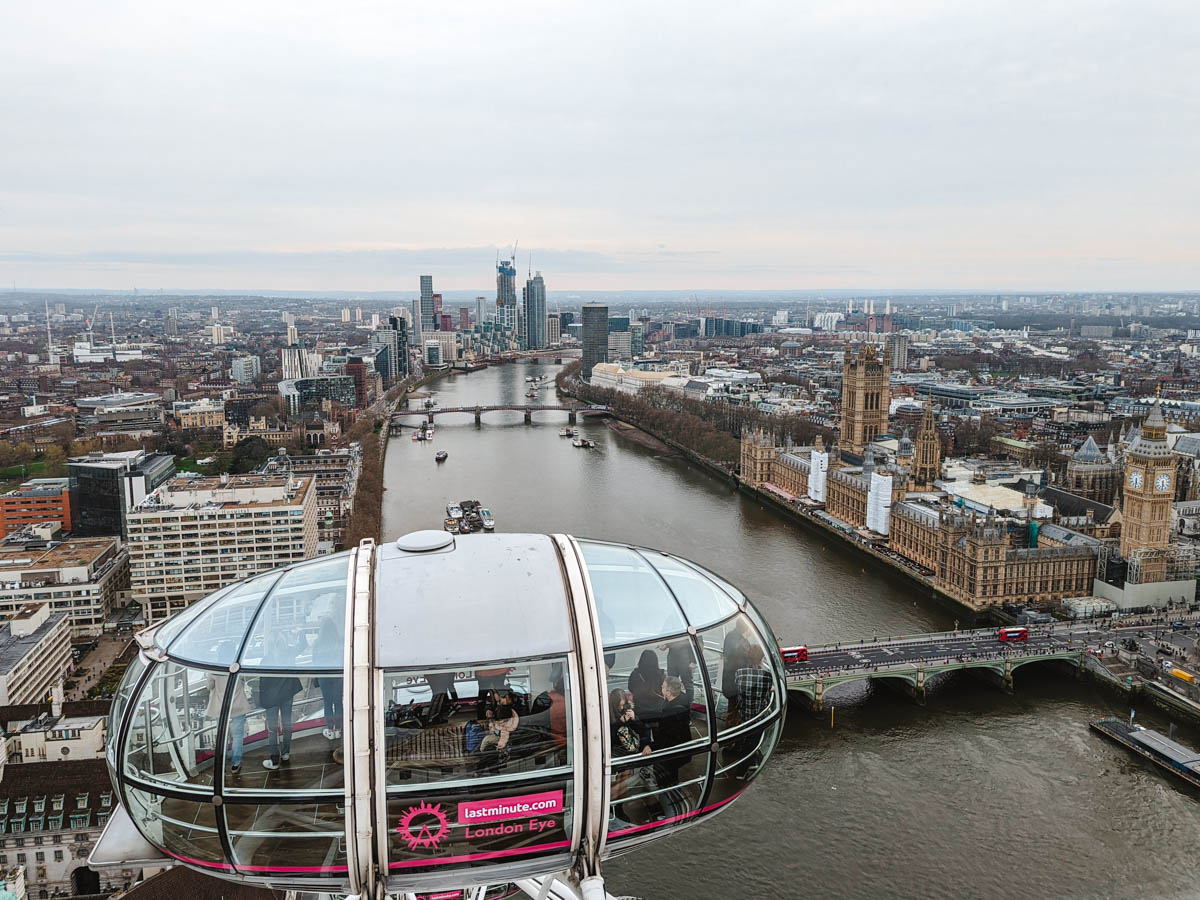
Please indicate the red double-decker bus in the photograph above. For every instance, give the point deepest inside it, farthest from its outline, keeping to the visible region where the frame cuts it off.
(795, 654)
(1015, 633)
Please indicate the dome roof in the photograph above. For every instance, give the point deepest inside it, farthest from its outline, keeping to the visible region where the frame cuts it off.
(481, 703)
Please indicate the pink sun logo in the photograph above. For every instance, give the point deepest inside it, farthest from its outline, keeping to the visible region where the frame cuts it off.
(423, 826)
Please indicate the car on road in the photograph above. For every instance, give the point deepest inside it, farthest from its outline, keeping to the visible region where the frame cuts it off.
(1109, 645)
(1178, 626)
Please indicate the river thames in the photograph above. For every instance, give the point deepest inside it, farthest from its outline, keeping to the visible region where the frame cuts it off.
(979, 794)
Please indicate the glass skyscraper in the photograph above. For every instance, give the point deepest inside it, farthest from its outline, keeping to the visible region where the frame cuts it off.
(595, 337)
(427, 310)
(535, 313)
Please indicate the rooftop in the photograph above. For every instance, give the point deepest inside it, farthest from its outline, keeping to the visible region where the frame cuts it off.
(75, 552)
(13, 648)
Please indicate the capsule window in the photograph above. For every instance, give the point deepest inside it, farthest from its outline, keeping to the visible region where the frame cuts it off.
(656, 697)
(744, 677)
(172, 738)
(187, 829)
(303, 839)
(703, 601)
(285, 733)
(496, 720)
(307, 609)
(633, 602)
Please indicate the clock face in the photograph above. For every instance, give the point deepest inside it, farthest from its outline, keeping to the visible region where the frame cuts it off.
(1135, 479)
(1162, 482)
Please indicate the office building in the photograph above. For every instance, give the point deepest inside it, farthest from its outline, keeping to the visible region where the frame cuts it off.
(464, 318)
(433, 353)
(637, 339)
(318, 392)
(37, 500)
(82, 577)
(105, 486)
(426, 308)
(618, 323)
(121, 411)
(194, 535)
(553, 332)
(387, 362)
(246, 369)
(481, 311)
(35, 652)
(594, 336)
(535, 313)
(357, 370)
(336, 473)
(620, 346)
(220, 334)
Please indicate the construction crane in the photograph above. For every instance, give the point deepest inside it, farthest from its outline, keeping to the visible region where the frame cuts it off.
(91, 323)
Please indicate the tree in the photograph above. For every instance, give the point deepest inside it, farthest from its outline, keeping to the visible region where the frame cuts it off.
(55, 460)
(248, 455)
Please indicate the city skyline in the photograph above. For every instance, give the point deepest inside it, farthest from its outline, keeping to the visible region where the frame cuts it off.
(856, 146)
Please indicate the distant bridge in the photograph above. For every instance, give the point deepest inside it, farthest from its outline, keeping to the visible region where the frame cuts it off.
(910, 662)
(516, 355)
(529, 409)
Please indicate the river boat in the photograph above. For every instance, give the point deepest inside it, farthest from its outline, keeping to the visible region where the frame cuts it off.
(429, 403)
(565, 432)
(486, 517)
(454, 511)
(440, 456)
(451, 525)
(418, 436)
(531, 393)
(1166, 753)
(471, 523)
(583, 443)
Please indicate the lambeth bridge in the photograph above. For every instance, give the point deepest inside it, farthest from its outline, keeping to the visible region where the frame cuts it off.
(911, 662)
(573, 412)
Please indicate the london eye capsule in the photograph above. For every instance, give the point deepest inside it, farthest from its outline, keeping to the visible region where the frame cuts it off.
(441, 712)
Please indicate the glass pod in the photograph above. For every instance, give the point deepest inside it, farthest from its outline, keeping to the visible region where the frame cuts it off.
(444, 711)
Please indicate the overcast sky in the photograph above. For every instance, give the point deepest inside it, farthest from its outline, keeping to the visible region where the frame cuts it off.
(994, 145)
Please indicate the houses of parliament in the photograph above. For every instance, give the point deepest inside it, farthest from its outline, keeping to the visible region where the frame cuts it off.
(987, 539)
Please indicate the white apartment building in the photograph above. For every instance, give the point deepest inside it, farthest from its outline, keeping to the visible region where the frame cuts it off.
(193, 535)
(83, 578)
(35, 651)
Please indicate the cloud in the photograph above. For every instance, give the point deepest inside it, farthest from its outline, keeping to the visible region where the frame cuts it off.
(779, 145)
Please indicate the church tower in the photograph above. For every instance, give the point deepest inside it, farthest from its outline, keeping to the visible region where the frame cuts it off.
(1149, 491)
(866, 395)
(927, 455)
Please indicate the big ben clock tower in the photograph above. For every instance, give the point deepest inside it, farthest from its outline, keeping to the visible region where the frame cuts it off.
(1149, 490)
